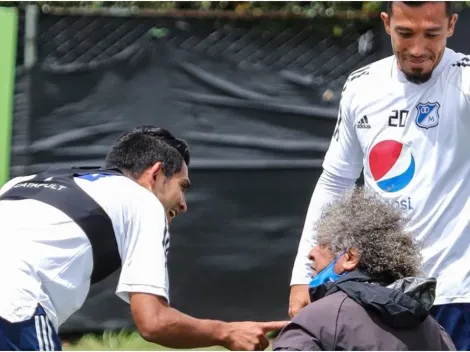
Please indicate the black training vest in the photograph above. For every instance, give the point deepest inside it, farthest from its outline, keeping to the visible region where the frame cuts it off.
(57, 188)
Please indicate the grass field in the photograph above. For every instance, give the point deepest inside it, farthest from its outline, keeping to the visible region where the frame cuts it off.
(122, 341)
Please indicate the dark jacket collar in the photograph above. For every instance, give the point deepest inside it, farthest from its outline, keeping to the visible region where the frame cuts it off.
(401, 304)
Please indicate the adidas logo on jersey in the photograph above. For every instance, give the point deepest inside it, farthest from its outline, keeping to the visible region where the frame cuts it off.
(363, 123)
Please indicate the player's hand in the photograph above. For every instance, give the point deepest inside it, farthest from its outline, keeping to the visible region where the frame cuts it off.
(249, 336)
(299, 298)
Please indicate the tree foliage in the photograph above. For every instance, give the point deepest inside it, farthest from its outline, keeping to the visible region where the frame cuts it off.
(301, 8)
(294, 6)
(307, 8)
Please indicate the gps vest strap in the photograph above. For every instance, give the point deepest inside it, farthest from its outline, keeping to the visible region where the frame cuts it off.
(57, 188)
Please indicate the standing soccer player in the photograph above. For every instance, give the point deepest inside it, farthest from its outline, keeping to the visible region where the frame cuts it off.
(405, 121)
(62, 230)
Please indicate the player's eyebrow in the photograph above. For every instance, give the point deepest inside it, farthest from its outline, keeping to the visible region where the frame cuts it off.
(406, 29)
(402, 28)
(434, 29)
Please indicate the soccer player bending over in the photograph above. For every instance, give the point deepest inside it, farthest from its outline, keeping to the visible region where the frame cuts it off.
(65, 229)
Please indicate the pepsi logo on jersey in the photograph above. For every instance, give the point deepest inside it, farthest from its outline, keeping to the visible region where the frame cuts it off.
(403, 203)
(392, 165)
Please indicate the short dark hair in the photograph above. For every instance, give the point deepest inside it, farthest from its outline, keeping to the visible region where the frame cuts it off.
(449, 6)
(137, 150)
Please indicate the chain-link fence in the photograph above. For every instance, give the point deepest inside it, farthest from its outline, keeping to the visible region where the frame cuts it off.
(307, 46)
(325, 47)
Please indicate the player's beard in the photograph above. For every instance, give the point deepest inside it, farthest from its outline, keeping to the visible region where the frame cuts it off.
(417, 78)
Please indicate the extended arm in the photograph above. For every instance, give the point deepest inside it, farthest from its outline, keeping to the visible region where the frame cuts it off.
(159, 323)
(342, 166)
(144, 284)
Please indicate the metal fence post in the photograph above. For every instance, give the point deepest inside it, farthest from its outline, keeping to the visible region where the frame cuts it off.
(30, 58)
(30, 33)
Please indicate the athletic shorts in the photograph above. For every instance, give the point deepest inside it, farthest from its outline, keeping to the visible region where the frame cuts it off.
(35, 334)
(455, 319)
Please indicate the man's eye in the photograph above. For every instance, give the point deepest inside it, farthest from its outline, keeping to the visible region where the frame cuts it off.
(405, 35)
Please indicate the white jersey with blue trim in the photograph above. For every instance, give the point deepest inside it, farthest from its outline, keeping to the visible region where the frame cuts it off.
(46, 258)
(412, 141)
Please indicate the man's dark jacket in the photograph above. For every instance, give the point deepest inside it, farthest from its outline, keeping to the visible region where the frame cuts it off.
(357, 313)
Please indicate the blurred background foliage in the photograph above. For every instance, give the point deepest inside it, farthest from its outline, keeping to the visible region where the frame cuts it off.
(306, 8)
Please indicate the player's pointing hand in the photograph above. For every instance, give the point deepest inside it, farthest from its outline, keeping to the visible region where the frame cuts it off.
(249, 336)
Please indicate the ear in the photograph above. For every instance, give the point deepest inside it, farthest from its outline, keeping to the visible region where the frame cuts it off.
(155, 171)
(386, 20)
(350, 260)
(452, 22)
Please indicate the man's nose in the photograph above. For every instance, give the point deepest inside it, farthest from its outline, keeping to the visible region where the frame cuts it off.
(417, 48)
(311, 254)
(183, 205)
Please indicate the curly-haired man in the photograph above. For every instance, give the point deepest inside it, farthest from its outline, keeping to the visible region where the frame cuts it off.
(366, 294)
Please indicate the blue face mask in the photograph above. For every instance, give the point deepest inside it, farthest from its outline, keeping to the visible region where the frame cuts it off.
(327, 274)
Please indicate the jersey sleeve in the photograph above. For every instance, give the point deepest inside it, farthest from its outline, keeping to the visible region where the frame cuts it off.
(466, 79)
(144, 266)
(344, 155)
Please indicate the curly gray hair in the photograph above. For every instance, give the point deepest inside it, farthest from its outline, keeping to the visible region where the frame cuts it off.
(375, 229)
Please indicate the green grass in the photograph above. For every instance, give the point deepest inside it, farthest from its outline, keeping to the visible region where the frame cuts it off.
(117, 341)
(120, 341)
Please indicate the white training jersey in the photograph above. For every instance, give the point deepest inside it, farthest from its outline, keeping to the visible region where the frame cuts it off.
(47, 259)
(413, 143)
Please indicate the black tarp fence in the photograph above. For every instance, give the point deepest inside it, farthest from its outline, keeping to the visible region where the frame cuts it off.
(256, 98)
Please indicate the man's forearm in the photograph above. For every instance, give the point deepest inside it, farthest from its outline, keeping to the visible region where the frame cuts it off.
(159, 323)
(174, 329)
(328, 188)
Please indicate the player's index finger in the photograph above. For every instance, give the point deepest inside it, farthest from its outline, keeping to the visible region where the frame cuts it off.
(273, 325)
